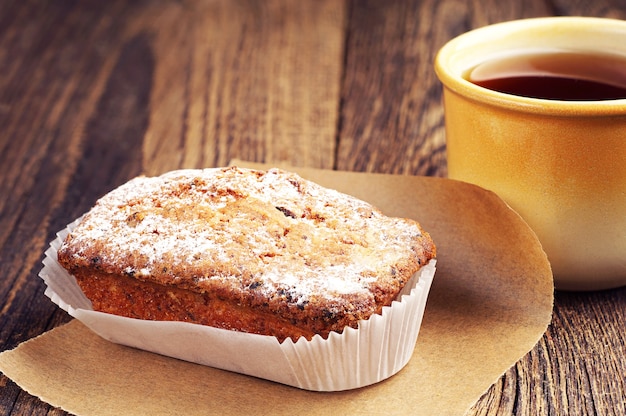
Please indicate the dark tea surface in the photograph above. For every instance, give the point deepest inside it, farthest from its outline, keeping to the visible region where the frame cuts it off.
(569, 76)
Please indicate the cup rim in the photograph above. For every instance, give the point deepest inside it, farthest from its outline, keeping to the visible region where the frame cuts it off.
(459, 85)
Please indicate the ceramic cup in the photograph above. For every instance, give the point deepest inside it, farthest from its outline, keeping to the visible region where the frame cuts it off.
(560, 164)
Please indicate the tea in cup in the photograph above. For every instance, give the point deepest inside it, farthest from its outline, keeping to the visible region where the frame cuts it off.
(535, 110)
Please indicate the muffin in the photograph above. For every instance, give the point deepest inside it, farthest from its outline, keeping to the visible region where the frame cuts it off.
(258, 272)
(262, 252)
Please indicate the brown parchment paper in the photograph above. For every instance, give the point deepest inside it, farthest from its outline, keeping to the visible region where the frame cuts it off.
(490, 303)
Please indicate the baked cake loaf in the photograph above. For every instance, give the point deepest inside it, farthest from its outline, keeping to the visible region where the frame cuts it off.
(261, 252)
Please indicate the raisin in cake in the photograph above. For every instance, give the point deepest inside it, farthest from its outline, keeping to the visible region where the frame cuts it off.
(262, 252)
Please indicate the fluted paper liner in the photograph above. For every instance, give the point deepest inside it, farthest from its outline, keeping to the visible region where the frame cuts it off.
(357, 357)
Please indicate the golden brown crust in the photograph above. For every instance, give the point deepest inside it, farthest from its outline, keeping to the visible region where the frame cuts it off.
(263, 252)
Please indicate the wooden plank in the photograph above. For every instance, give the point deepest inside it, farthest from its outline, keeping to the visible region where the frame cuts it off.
(392, 115)
(49, 99)
(252, 80)
(63, 143)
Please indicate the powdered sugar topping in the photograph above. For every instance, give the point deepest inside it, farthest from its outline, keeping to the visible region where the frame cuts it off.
(252, 229)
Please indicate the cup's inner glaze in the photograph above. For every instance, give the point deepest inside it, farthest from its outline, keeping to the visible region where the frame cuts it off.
(555, 75)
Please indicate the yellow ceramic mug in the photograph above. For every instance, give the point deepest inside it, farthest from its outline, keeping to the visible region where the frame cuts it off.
(560, 164)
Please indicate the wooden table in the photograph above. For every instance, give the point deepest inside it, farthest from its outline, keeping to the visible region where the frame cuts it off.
(93, 93)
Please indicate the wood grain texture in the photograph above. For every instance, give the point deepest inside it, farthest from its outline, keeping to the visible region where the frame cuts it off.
(93, 93)
(392, 114)
(63, 144)
(578, 367)
(391, 118)
(250, 80)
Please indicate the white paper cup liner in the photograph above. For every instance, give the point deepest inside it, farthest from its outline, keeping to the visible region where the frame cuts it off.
(379, 348)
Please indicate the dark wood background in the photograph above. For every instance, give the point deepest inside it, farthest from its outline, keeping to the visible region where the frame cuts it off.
(94, 92)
